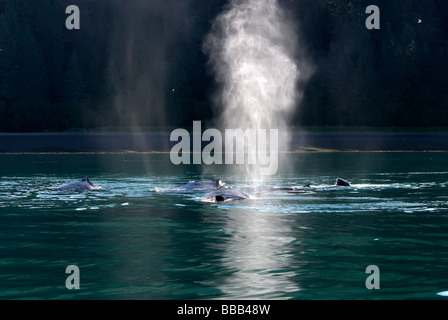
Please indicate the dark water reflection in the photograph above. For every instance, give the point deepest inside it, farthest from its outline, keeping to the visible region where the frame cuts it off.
(131, 242)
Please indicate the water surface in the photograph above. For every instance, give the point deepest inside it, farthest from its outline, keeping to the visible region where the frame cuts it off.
(131, 242)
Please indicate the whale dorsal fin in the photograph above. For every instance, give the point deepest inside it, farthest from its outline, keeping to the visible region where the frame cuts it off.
(86, 179)
(342, 183)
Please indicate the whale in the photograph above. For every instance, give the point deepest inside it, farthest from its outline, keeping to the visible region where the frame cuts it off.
(294, 188)
(83, 184)
(342, 183)
(339, 183)
(225, 195)
(200, 185)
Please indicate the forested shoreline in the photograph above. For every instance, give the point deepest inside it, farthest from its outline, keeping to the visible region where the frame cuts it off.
(141, 63)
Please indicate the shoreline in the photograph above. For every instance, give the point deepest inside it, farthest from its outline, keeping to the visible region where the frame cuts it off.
(159, 142)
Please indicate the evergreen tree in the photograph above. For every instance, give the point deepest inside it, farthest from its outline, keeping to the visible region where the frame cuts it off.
(31, 74)
(124, 62)
(9, 33)
(73, 85)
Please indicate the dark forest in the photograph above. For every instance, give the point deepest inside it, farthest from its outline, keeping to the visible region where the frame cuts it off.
(142, 64)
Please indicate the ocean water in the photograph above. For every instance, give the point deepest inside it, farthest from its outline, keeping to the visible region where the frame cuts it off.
(136, 239)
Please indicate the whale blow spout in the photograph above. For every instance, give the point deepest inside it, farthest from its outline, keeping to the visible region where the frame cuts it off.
(254, 52)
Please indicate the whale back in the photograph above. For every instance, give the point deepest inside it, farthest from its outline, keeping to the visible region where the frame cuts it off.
(224, 195)
(200, 185)
(83, 184)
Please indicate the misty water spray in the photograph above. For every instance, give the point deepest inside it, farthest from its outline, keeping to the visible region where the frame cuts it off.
(253, 52)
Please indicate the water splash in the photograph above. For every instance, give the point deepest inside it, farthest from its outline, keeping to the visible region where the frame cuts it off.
(253, 50)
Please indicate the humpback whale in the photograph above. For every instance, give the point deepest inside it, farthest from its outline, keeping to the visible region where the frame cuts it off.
(342, 183)
(200, 185)
(294, 188)
(303, 188)
(339, 183)
(83, 184)
(225, 195)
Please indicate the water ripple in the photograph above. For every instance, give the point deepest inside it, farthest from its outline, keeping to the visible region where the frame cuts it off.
(131, 242)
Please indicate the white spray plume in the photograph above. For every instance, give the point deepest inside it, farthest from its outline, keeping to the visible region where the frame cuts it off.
(253, 49)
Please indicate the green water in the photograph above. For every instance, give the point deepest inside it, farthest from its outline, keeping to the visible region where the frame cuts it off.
(130, 242)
